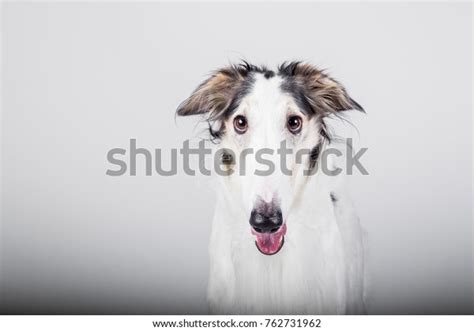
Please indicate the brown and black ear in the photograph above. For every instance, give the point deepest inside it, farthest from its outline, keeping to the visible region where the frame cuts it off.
(214, 95)
(323, 93)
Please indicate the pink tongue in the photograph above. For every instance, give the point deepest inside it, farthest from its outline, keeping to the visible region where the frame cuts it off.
(270, 243)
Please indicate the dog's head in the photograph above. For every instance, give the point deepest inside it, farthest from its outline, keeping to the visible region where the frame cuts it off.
(255, 114)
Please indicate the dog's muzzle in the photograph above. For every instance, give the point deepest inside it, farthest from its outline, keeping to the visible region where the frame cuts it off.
(267, 225)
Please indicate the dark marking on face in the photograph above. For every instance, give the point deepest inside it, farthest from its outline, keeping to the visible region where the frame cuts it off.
(290, 87)
(313, 156)
(333, 197)
(215, 134)
(268, 74)
(242, 92)
(323, 132)
(227, 158)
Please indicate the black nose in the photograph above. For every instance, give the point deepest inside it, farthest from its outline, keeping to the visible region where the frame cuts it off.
(266, 217)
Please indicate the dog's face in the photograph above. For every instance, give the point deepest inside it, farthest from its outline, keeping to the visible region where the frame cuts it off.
(270, 130)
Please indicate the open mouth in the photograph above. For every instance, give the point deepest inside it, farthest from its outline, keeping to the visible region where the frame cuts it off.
(270, 243)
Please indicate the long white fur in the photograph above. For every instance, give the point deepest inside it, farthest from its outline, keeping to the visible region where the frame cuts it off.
(320, 268)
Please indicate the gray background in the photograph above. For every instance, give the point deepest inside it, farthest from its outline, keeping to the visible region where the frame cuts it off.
(80, 79)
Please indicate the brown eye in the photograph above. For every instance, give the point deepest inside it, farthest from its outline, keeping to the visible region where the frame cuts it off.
(294, 124)
(240, 124)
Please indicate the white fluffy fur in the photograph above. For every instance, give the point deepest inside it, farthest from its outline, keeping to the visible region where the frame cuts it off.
(320, 268)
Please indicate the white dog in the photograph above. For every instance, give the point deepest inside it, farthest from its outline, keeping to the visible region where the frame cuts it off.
(287, 241)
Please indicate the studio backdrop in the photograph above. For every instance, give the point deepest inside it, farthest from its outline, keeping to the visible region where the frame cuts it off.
(79, 80)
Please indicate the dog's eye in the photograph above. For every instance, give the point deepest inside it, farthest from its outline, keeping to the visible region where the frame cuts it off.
(240, 124)
(294, 124)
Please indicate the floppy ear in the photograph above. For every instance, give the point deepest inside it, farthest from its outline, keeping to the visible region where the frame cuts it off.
(324, 94)
(215, 94)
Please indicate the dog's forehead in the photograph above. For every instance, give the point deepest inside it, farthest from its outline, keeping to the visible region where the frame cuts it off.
(264, 86)
(267, 95)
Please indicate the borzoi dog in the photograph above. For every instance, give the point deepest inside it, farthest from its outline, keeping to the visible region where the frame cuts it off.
(286, 242)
